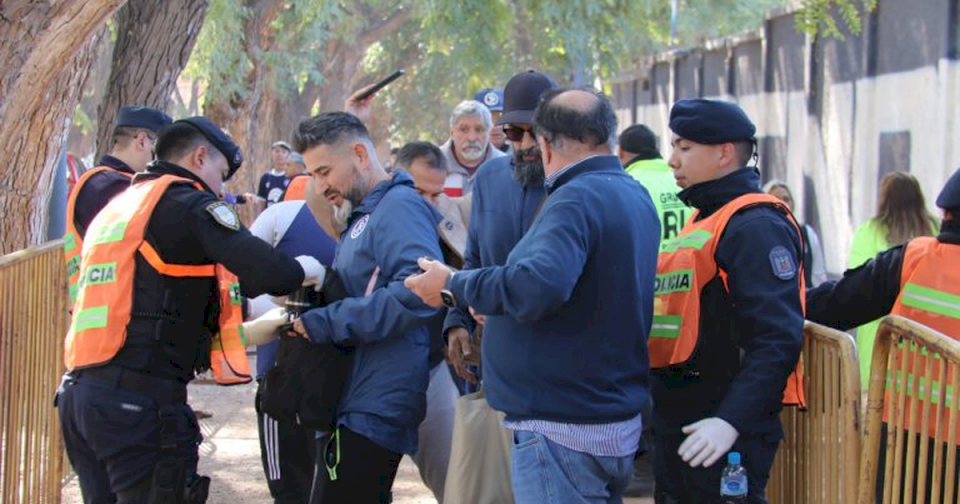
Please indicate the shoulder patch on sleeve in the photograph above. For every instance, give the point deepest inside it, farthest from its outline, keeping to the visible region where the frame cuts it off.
(224, 214)
(782, 263)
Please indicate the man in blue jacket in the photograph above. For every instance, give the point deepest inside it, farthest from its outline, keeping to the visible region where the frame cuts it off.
(507, 192)
(569, 314)
(389, 227)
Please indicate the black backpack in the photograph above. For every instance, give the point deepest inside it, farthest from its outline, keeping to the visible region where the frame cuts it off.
(306, 384)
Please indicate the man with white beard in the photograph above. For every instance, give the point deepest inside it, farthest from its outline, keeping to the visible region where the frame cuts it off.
(468, 147)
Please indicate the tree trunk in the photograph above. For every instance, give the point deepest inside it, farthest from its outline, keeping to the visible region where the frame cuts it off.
(46, 49)
(154, 42)
(237, 114)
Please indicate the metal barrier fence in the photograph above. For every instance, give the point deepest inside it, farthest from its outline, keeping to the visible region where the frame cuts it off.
(913, 376)
(819, 457)
(33, 322)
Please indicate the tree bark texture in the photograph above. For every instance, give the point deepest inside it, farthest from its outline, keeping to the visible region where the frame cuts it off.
(238, 115)
(46, 49)
(154, 42)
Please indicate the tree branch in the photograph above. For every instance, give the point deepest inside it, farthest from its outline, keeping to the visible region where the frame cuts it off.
(380, 29)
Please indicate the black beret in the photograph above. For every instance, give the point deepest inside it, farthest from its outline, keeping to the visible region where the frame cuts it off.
(710, 122)
(949, 197)
(219, 139)
(138, 116)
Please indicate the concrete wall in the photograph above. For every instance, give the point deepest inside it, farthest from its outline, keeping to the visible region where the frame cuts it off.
(833, 116)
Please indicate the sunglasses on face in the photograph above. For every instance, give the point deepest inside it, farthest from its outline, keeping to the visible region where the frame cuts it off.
(515, 133)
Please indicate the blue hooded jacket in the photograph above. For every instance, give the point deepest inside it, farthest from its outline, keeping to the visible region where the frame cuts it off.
(385, 398)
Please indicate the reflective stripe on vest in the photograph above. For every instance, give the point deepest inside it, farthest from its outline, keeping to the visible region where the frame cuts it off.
(685, 266)
(72, 241)
(930, 295)
(105, 286)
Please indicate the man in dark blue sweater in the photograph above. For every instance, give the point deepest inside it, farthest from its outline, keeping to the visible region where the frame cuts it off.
(507, 192)
(569, 314)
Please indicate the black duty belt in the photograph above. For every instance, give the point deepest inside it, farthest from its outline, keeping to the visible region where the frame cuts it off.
(162, 390)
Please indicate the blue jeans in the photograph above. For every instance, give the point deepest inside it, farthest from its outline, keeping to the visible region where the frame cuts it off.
(546, 472)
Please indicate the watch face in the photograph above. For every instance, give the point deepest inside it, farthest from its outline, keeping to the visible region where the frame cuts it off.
(447, 298)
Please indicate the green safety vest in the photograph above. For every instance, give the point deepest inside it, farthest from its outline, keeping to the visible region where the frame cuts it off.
(657, 177)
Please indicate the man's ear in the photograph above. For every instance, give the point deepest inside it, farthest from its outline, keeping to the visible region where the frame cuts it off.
(546, 150)
(359, 150)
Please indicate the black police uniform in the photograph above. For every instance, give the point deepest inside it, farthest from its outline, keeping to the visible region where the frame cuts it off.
(99, 189)
(750, 340)
(102, 187)
(870, 291)
(111, 415)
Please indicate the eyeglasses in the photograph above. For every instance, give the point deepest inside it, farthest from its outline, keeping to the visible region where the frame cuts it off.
(515, 133)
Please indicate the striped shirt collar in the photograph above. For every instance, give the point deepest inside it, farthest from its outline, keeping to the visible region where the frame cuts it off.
(552, 179)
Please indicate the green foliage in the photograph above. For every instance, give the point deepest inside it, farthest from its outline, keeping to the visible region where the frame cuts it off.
(452, 48)
(820, 16)
(218, 58)
(81, 121)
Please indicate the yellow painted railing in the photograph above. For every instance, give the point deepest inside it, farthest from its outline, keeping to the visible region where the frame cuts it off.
(33, 322)
(819, 457)
(920, 437)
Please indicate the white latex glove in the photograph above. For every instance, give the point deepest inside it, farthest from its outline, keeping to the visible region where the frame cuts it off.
(265, 328)
(707, 441)
(313, 271)
(260, 305)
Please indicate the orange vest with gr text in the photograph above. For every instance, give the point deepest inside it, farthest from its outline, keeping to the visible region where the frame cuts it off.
(104, 301)
(686, 264)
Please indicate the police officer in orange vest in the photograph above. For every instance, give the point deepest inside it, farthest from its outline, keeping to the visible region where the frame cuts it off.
(728, 312)
(157, 302)
(132, 143)
(918, 280)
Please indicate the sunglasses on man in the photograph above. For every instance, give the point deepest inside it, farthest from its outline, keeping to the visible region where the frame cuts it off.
(515, 133)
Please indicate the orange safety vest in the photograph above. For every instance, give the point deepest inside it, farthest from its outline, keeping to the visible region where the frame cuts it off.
(105, 290)
(686, 264)
(72, 241)
(930, 295)
(297, 190)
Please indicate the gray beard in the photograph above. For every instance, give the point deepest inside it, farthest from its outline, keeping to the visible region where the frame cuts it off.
(341, 214)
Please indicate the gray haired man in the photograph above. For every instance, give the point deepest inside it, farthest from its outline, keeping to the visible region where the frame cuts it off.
(469, 146)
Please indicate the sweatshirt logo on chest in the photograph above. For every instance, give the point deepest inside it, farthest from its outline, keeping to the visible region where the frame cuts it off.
(359, 226)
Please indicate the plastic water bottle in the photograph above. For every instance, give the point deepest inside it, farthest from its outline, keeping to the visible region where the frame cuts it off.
(733, 481)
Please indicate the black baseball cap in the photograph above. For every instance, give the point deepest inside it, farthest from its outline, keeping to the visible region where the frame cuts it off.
(522, 95)
(219, 139)
(139, 116)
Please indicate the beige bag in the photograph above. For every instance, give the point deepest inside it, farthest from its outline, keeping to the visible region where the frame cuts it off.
(479, 470)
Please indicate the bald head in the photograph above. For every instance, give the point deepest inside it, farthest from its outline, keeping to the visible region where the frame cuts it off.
(573, 124)
(577, 120)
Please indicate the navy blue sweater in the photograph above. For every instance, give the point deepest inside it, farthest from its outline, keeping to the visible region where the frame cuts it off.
(569, 313)
(501, 212)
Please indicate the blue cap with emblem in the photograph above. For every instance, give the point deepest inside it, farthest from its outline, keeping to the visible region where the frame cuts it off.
(492, 98)
(710, 122)
(219, 139)
(138, 116)
(949, 197)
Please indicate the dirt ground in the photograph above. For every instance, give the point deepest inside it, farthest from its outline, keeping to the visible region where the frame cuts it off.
(230, 453)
